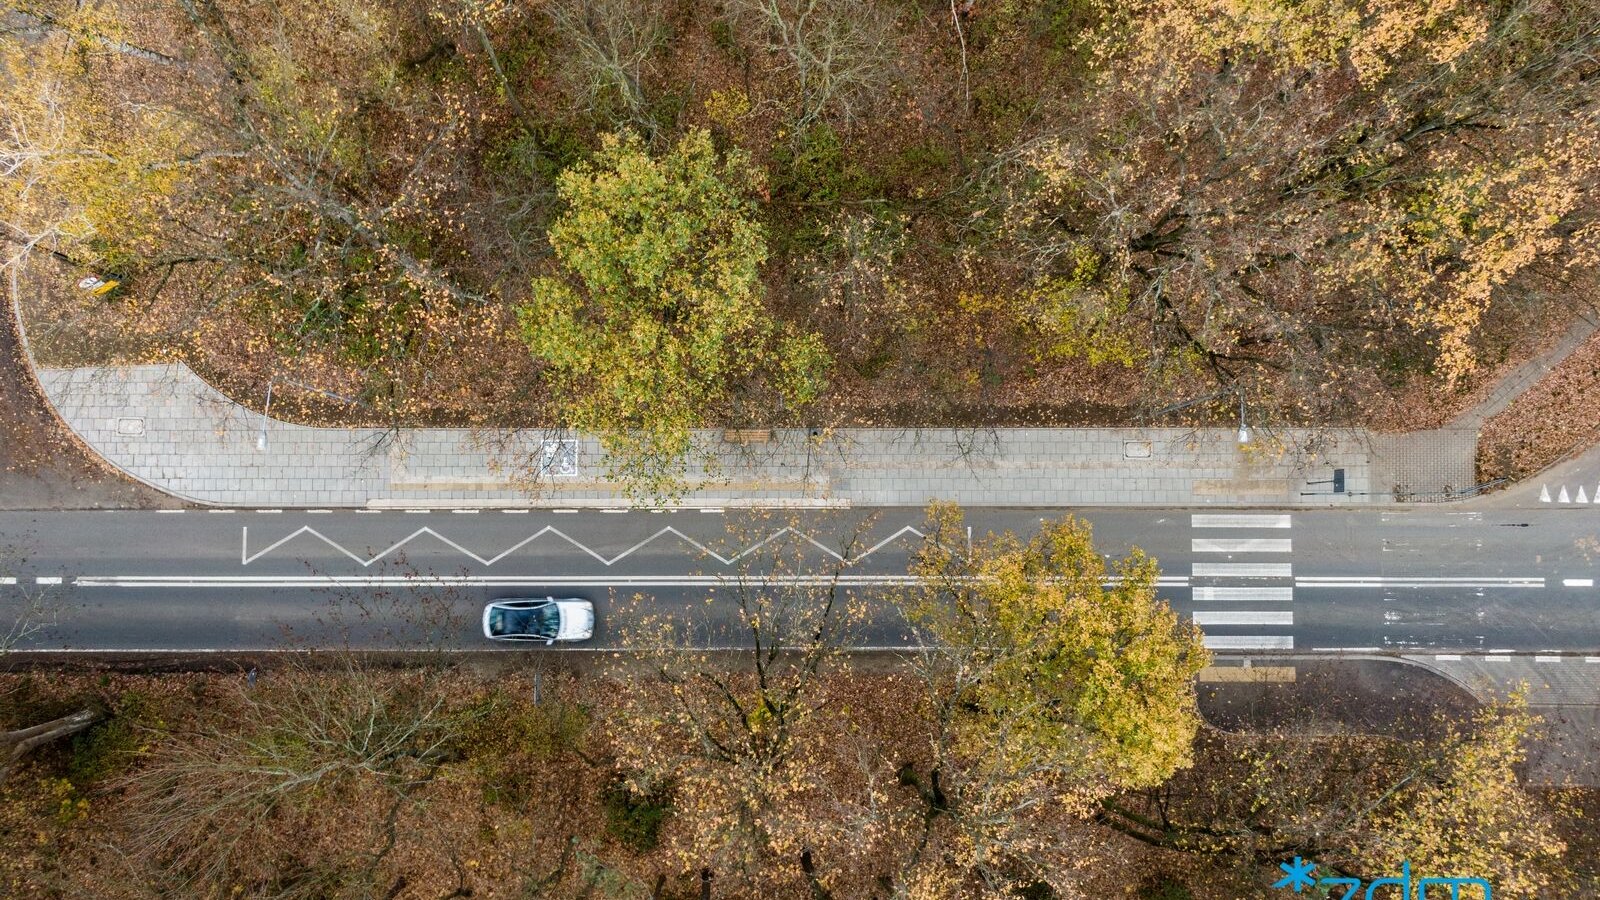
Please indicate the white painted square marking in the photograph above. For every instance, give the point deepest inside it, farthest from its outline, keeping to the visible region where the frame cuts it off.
(1249, 642)
(1219, 617)
(1240, 545)
(1577, 582)
(1238, 520)
(1448, 657)
(1497, 659)
(1547, 659)
(1241, 570)
(1243, 594)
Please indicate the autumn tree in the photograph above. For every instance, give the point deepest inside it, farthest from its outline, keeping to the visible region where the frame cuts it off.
(1285, 191)
(728, 707)
(1449, 799)
(82, 176)
(655, 316)
(609, 44)
(328, 740)
(836, 53)
(1047, 687)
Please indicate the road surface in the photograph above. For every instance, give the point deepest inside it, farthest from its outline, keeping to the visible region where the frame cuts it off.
(1435, 580)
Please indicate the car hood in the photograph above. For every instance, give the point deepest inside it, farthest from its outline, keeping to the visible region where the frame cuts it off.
(577, 622)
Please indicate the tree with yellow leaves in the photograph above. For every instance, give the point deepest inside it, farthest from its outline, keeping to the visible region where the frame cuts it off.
(1047, 688)
(82, 176)
(655, 314)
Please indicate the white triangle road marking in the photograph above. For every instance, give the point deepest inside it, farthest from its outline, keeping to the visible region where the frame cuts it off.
(1583, 497)
(1544, 493)
(1564, 497)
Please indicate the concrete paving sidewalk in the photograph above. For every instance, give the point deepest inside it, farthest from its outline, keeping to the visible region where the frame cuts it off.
(165, 426)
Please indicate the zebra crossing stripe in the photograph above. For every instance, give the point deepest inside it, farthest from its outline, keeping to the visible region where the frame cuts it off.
(1240, 545)
(1238, 520)
(1249, 617)
(1230, 594)
(1248, 642)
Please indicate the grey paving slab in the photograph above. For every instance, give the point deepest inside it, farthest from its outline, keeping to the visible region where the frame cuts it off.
(164, 425)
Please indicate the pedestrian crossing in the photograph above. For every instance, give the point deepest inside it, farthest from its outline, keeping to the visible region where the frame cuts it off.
(1259, 595)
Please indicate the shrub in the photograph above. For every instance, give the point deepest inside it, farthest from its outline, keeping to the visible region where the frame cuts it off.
(634, 818)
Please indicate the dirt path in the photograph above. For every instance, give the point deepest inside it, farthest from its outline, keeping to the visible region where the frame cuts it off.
(41, 465)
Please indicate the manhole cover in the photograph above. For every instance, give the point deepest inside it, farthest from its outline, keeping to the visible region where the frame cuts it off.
(1136, 450)
(133, 427)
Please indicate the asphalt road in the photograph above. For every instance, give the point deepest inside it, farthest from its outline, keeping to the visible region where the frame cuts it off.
(1431, 580)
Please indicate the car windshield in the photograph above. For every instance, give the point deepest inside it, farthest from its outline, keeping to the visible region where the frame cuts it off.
(544, 621)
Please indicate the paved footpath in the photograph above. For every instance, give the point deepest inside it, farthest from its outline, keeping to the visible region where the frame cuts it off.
(165, 426)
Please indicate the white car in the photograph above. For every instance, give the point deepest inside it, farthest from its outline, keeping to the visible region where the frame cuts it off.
(538, 619)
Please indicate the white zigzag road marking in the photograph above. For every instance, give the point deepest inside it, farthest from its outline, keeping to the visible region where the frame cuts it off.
(246, 557)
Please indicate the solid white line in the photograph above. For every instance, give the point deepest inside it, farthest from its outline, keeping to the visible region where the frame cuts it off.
(711, 509)
(465, 512)
(286, 581)
(1243, 594)
(1241, 570)
(1237, 520)
(1240, 545)
(171, 511)
(219, 512)
(47, 579)
(268, 511)
(418, 512)
(563, 511)
(1219, 617)
(1347, 649)
(515, 512)
(1249, 642)
(1373, 581)
(1447, 657)
(1577, 582)
(319, 512)
(1547, 659)
(368, 512)
(613, 510)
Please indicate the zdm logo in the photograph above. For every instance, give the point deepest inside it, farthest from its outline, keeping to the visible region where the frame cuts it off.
(1300, 876)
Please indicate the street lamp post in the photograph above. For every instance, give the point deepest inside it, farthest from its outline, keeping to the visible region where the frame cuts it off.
(1244, 430)
(261, 437)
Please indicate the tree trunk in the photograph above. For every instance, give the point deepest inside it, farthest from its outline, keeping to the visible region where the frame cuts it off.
(17, 744)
